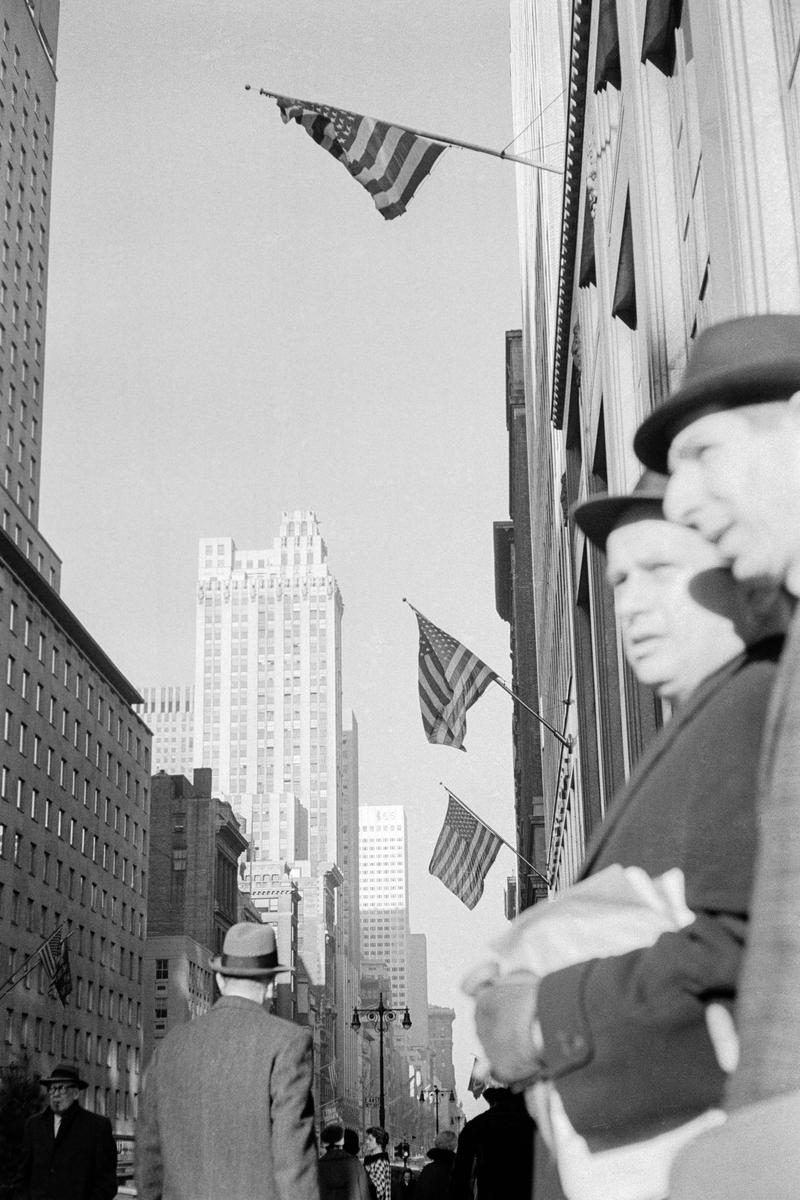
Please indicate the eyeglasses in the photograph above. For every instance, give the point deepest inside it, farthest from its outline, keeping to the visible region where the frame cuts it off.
(54, 1088)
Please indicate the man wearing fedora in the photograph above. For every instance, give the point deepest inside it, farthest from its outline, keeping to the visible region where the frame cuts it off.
(624, 1037)
(227, 1109)
(67, 1152)
(730, 438)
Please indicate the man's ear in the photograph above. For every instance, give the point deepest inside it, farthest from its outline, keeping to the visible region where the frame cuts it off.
(794, 402)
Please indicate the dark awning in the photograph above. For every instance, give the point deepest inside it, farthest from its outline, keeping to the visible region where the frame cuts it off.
(606, 67)
(624, 305)
(661, 19)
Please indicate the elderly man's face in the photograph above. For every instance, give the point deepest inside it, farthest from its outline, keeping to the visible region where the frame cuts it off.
(60, 1096)
(676, 604)
(735, 477)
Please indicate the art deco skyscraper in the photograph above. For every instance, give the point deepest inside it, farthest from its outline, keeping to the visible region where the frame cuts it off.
(383, 853)
(268, 683)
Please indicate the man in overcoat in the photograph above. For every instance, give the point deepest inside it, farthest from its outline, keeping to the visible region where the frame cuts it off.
(227, 1109)
(625, 1038)
(730, 437)
(67, 1152)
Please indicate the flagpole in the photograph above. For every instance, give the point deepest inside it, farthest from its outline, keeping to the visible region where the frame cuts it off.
(568, 741)
(513, 849)
(9, 984)
(433, 137)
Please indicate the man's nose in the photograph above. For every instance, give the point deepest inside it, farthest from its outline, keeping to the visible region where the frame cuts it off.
(680, 497)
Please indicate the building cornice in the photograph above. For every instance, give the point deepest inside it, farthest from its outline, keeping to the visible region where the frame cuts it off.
(576, 111)
(16, 562)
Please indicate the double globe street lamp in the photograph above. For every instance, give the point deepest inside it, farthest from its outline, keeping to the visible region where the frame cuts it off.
(379, 1017)
(435, 1094)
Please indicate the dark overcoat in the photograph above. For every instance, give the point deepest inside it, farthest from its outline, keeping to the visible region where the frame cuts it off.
(625, 1037)
(79, 1163)
(341, 1177)
(227, 1110)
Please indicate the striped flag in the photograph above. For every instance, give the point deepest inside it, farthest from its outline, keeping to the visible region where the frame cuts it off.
(55, 960)
(451, 679)
(464, 854)
(387, 160)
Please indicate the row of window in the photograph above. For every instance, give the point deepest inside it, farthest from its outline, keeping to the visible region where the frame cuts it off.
(22, 854)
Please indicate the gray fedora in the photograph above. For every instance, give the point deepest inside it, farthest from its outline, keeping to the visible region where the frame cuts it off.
(747, 360)
(249, 951)
(598, 516)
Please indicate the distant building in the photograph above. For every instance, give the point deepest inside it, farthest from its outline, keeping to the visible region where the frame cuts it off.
(383, 859)
(440, 1026)
(169, 713)
(195, 846)
(277, 898)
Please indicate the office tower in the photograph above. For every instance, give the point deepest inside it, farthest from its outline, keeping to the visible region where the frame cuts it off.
(169, 713)
(268, 677)
(440, 1030)
(349, 1051)
(75, 763)
(383, 855)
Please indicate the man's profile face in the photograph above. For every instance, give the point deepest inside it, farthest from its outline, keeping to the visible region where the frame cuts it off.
(61, 1095)
(673, 637)
(735, 477)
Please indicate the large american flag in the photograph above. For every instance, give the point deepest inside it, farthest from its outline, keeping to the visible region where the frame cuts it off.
(451, 678)
(387, 160)
(464, 853)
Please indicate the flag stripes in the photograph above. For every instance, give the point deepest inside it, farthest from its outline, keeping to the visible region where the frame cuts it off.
(387, 160)
(464, 853)
(55, 960)
(451, 679)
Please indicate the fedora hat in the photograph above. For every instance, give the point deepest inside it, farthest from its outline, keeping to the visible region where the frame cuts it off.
(598, 516)
(249, 951)
(747, 360)
(65, 1074)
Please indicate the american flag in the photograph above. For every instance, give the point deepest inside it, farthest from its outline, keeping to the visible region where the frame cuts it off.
(464, 854)
(55, 960)
(387, 160)
(451, 678)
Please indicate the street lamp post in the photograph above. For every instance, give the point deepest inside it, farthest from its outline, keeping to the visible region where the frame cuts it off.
(435, 1093)
(380, 1016)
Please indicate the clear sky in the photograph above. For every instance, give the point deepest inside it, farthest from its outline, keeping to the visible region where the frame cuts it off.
(233, 330)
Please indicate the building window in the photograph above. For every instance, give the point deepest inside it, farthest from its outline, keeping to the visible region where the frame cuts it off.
(162, 968)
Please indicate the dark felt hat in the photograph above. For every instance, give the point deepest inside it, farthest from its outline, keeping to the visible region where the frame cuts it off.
(748, 360)
(249, 951)
(598, 516)
(65, 1074)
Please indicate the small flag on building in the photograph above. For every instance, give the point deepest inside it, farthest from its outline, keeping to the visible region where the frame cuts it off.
(451, 679)
(55, 959)
(388, 160)
(464, 853)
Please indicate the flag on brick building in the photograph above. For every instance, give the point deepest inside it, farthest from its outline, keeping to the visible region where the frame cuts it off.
(464, 853)
(388, 160)
(451, 679)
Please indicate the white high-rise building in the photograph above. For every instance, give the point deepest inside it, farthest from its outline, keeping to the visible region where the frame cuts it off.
(268, 685)
(383, 856)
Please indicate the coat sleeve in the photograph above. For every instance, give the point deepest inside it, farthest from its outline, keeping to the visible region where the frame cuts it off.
(23, 1178)
(294, 1147)
(104, 1183)
(625, 1038)
(148, 1166)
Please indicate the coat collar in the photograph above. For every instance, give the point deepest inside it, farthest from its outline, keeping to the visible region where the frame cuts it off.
(683, 715)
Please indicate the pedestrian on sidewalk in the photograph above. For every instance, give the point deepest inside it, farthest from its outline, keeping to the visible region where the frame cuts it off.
(434, 1179)
(376, 1163)
(227, 1109)
(67, 1152)
(341, 1176)
(494, 1159)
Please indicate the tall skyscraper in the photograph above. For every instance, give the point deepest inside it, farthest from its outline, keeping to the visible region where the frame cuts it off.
(268, 679)
(75, 762)
(383, 855)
